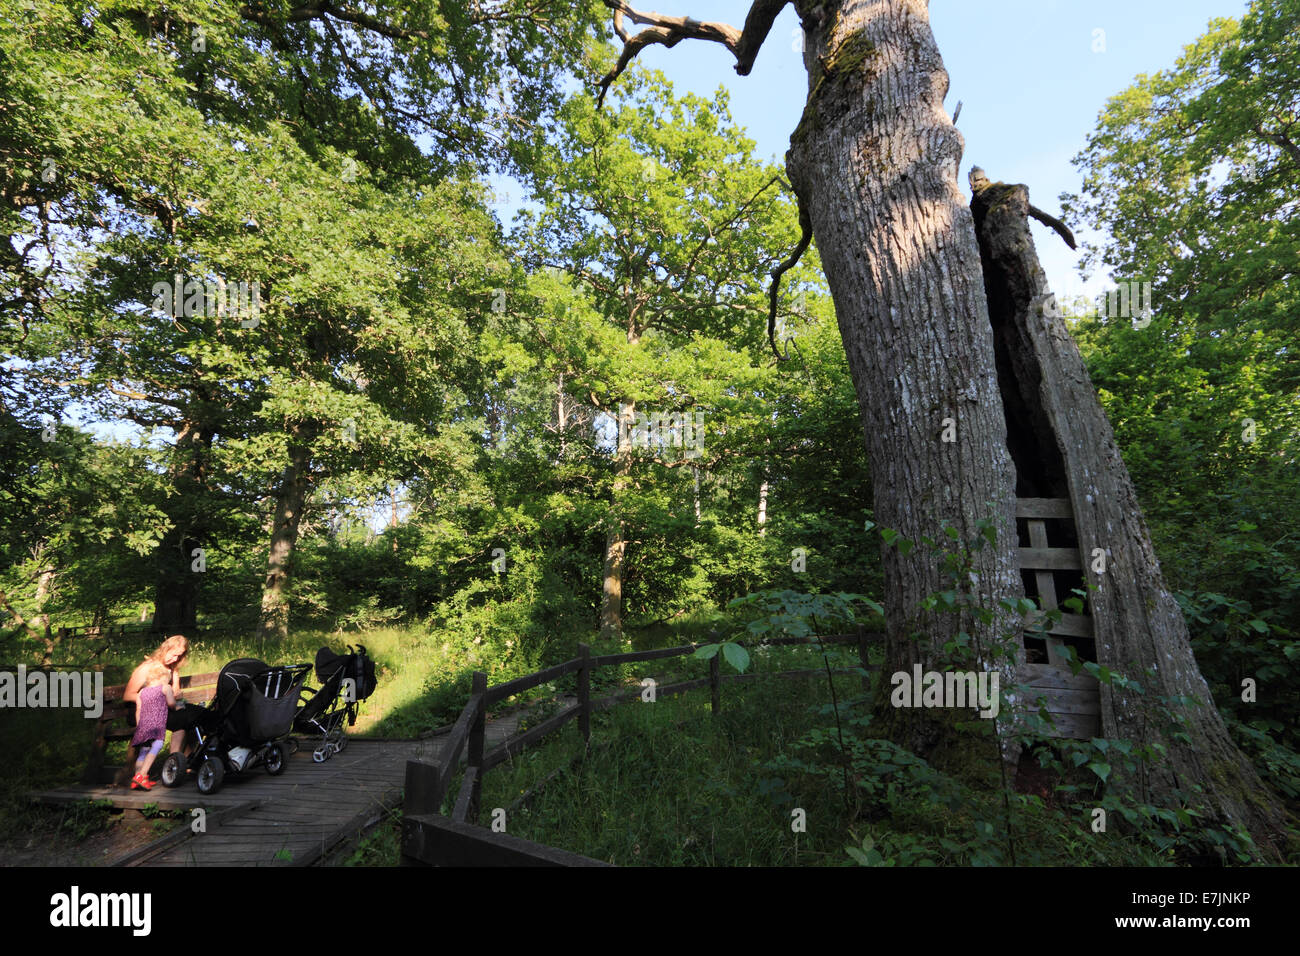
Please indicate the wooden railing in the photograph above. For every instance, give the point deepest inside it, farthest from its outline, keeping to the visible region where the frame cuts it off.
(429, 837)
(104, 630)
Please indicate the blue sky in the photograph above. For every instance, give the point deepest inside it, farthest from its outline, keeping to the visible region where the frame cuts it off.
(1029, 80)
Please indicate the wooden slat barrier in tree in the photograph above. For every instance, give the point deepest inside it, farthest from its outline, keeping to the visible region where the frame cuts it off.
(1072, 701)
(428, 837)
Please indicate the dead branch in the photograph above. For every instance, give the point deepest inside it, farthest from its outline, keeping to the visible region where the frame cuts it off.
(805, 237)
(669, 31)
(1062, 229)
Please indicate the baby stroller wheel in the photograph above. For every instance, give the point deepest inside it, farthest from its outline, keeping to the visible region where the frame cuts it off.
(340, 744)
(210, 775)
(173, 769)
(274, 759)
(321, 753)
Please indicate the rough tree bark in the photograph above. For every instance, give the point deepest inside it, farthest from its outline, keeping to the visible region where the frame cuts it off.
(1065, 447)
(287, 519)
(874, 161)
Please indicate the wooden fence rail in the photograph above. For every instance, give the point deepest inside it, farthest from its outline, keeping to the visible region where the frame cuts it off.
(428, 837)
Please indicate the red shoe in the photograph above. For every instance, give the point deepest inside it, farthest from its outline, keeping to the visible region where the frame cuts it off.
(141, 781)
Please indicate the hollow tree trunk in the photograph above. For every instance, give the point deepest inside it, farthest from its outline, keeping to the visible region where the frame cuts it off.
(874, 161)
(1065, 446)
(287, 519)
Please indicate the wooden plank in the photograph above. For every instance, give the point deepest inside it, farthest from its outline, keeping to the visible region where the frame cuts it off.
(520, 684)
(1043, 508)
(1070, 625)
(811, 639)
(1045, 675)
(456, 740)
(681, 687)
(1057, 701)
(634, 657)
(358, 822)
(466, 796)
(1075, 727)
(637, 656)
(138, 799)
(437, 841)
(584, 693)
(514, 745)
(1042, 579)
(807, 672)
(1050, 559)
(475, 754)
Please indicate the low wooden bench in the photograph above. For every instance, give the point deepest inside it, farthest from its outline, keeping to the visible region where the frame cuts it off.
(117, 722)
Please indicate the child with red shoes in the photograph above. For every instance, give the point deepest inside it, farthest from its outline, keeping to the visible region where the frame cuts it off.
(156, 697)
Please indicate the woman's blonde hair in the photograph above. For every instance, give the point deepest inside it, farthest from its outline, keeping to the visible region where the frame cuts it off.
(156, 673)
(175, 642)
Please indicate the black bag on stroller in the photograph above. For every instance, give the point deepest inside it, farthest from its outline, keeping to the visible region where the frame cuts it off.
(245, 725)
(346, 680)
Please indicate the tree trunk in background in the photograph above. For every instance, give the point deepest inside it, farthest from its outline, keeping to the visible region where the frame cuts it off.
(1064, 446)
(696, 471)
(762, 508)
(177, 585)
(287, 519)
(874, 161)
(44, 585)
(562, 417)
(14, 615)
(611, 593)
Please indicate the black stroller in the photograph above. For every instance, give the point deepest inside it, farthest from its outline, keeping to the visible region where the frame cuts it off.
(246, 724)
(346, 680)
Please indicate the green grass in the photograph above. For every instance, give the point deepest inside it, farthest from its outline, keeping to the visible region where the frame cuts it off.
(668, 784)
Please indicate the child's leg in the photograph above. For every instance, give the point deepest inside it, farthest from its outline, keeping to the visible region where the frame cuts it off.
(147, 759)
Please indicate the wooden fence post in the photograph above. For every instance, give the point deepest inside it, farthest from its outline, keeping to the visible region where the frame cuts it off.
(584, 693)
(477, 732)
(715, 682)
(423, 796)
(422, 791)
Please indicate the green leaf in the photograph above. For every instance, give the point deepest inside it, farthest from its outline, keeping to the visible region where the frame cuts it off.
(736, 656)
(1100, 769)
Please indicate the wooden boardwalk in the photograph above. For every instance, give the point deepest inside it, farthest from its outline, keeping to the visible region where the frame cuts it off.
(294, 819)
